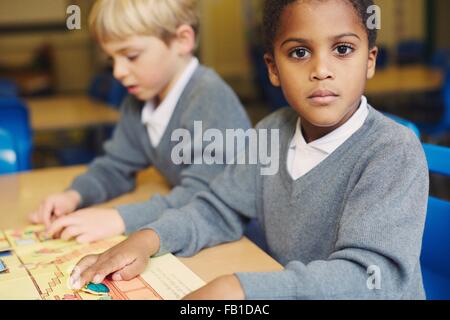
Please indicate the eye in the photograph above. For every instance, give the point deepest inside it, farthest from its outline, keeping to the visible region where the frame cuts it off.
(299, 53)
(133, 57)
(344, 49)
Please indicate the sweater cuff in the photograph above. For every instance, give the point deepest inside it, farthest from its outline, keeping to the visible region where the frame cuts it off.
(137, 215)
(268, 285)
(173, 237)
(90, 191)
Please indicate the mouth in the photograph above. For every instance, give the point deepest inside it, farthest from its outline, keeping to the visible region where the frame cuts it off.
(323, 97)
(133, 89)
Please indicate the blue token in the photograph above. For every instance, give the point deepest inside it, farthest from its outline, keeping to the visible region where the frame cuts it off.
(94, 288)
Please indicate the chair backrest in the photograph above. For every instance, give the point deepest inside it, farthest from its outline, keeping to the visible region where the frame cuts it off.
(106, 88)
(404, 122)
(410, 52)
(14, 118)
(8, 158)
(382, 57)
(8, 88)
(440, 59)
(435, 256)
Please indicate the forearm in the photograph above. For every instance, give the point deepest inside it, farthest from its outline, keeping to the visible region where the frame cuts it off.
(204, 222)
(137, 215)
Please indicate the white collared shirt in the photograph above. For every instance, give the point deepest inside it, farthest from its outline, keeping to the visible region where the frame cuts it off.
(303, 157)
(157, 119)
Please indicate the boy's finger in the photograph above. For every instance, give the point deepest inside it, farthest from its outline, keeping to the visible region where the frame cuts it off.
(46, 213)
(59, 224)
(106, 265)
(33, 217)
(96, 273)
(130, 271)
(70, 232)
(86, 238)
(81, 266)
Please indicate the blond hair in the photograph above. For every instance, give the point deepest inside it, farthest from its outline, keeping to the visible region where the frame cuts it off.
(119, 19)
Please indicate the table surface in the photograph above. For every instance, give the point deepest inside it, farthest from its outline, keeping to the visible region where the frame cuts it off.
(393, 80)
(21, 193)
(69, 112)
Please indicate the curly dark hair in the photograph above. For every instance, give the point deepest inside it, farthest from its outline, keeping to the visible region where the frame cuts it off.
(273, 9)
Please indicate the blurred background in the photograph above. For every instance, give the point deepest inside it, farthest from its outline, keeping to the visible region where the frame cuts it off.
(59, 101)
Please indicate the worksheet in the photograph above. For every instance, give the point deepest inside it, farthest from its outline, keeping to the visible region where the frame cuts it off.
(35, 267)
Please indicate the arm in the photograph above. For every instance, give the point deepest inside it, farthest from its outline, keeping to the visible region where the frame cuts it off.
(114, 173)
(213, 217)
(214, 113)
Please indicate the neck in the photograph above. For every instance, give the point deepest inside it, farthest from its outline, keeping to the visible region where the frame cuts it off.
(312, 132)
(181, 66)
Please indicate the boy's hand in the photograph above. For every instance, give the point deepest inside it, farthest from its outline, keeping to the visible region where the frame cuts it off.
(88, 225)
(223, 288)
(124, 261)
(55, 206)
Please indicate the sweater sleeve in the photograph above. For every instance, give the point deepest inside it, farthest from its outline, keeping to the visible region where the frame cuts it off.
(213, 217)
(114, 173)
(379, 237)
(216, 108)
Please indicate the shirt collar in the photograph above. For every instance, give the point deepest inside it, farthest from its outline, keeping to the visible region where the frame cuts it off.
(334, 139)
(158, 116)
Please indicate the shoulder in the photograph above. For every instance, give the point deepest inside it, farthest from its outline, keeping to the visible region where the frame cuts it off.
(208, 96)
(207, 86)
(388, 139)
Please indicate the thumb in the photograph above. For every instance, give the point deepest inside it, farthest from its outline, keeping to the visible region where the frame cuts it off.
(33, 217)
(60, 211)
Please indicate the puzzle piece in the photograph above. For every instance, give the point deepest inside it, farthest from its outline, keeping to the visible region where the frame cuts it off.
(3, 267)
(96, 289)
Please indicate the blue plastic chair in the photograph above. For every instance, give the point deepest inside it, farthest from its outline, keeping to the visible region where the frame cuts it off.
(106, 88)
(382, 58)
(404, 122)
(411, 52)
(443, 125)
(14, 118)
(435, 257)
(440, 59)
(8, 88)
(273, 95)
(8, 158)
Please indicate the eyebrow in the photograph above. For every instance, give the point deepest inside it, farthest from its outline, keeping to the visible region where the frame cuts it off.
(333, 38)
(126, 49)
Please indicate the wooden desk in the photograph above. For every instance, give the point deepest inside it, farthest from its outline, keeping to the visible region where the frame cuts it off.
(397, 80)
(21, 193)
(69, 112)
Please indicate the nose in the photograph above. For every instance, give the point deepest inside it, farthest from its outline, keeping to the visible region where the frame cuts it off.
(320, 69)
(120, 70)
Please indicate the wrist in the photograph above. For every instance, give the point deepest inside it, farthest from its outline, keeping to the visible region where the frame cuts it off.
(119, 224)
(232, 285)
(149, 240)
(74, 196)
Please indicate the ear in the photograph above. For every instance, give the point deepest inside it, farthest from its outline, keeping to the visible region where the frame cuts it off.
(185, 39)
(372, 62)
(273, 70)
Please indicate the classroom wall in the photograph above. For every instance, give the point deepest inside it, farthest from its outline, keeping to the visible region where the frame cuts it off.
(401, 20)
(73, 50)
(442, 21)
(223, 43)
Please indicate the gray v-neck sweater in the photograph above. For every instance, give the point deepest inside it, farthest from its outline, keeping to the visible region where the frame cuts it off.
(206, 98)
(361, 210)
